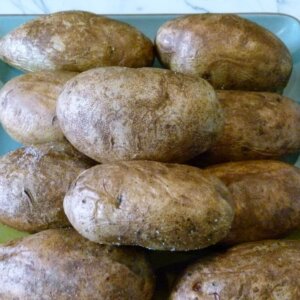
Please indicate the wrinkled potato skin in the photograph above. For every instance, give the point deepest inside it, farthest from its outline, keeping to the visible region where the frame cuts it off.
(261, 270)
(149, 204)
(75, 41)
(229, 51)
(257, 126)
(113, 114)
(266, 198)
(59, 264)
(28, 106)
(33, 183)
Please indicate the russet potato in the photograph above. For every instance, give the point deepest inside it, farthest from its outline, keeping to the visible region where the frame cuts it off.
(150, 204)
(227, 50)
(33, 183)
(265, 196)
(75, 41)
(258, 125)
(28, 106)
(258, 270)
(59, 264)
(114, 113)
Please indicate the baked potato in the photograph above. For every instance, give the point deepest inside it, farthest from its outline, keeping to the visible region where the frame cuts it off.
(33, 183)
(150, 204)
(227, 50)
(116, 113)
(28, 106)
(265, 196)
(75, 41)
(260, 270)
(59, 264)
(257, 125)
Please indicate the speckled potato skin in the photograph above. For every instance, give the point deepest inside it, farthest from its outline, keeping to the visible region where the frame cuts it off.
(149, 204)
(227, 50)
(261, 270)
(59, 264)
(266, 198)
(75, 41)
(257, 126)
(33, 183)
(28, 106)
(115, 113)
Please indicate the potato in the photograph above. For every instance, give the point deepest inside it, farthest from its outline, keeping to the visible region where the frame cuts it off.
(117, 113)
(266, 198)
(33, 183)
(28, 105)
(261, 270)
(149, 204)
(227, 50)
(75, 41)
(257, 126)
(59, 264)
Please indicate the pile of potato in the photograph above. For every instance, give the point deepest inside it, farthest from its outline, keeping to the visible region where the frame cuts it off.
(113, 148)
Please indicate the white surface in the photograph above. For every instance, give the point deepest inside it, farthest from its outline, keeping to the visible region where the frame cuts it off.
(290, 7)
(150, 6)
(137, 6)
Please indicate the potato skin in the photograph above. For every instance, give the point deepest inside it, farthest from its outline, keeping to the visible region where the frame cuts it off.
(28, 106)
(59, 264)
(75, 41)
(33, 183)
(260, 270)
(266, 198)
(149, 204)
(115, 113)
(257, 126)
(227, 50)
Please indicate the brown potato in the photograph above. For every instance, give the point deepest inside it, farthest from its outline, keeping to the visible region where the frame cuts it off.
(261, 270)
(33, 183)
(116, 113)
(61, 265)
(266, 198)
(227, 50)
(149, 204)
(75, 41)
(257, 126)
(28, 106)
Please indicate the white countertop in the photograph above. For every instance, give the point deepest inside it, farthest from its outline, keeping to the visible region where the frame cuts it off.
(291, 7)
